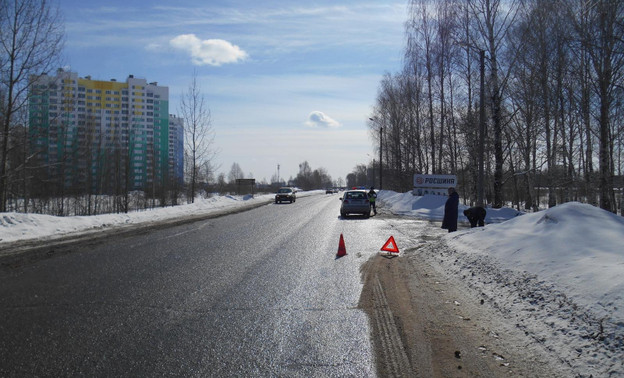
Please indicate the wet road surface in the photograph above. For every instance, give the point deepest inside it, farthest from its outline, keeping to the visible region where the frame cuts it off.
(258, 293)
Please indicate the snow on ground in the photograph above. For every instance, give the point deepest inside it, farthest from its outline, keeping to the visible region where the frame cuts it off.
(19, 226)
(560, 271)
(558, 274)
(577, 246)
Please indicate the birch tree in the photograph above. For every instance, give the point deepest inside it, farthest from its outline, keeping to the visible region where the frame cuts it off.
(198, 135)
(31, 40)
(601, 32)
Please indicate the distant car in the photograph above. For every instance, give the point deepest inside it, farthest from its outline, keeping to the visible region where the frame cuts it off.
(355, 202)
(331, 191)
(285, 194)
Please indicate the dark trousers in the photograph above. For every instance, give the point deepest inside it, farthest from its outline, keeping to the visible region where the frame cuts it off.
(476, 216)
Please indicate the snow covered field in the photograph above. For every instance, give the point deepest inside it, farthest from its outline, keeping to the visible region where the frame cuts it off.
(559, 271)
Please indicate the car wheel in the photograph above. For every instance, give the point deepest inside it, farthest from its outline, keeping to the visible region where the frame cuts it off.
(366, 215)
(343, 214)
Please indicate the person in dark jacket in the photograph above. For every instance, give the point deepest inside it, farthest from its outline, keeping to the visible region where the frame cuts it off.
(450, 211)
(476, 216)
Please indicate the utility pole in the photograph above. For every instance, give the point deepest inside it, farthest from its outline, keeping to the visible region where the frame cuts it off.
(278, 177)
(374, 119)
(373, 181)
(481, 151)
(481, 129)
(380, 149)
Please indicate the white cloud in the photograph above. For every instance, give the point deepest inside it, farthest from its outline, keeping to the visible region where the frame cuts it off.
(320, 119)
(214, 52)
(153, 47)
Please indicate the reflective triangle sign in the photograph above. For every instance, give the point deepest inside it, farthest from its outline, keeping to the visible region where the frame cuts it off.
(390, 246)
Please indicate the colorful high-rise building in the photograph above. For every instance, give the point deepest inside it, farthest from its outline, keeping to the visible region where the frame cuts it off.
(104, 135)
(176, 147)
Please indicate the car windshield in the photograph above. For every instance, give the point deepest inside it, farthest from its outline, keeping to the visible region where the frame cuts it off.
(355, 195)
(284, 191)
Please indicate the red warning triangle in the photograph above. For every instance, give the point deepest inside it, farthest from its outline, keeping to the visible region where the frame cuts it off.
(390, 246)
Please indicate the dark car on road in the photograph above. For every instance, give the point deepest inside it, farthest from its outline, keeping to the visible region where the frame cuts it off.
(355, 202)
(285, 194)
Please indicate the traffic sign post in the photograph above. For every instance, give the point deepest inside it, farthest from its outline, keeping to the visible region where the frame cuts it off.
(433, 184)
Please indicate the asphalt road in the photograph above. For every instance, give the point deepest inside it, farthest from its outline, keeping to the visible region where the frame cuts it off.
(258, 293)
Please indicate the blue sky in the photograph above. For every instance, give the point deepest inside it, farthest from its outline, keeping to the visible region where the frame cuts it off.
(286, 81)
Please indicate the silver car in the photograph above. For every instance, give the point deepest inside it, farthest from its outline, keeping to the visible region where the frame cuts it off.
(355, 202)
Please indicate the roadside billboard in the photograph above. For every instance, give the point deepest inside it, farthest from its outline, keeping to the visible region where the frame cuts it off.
(433, 184)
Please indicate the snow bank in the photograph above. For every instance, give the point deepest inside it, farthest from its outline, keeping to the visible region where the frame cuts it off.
(578, 247)
(431, 207)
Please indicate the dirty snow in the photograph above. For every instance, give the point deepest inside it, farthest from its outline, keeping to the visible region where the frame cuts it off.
(557, 274)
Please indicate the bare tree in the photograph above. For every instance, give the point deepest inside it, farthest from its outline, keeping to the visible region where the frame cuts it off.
(31, 39)
(198, 134)
(494, 22)
(601, 32)
(236, 173)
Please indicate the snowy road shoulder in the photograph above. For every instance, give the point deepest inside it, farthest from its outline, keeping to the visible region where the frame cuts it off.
(557, 274)
(25, 228)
